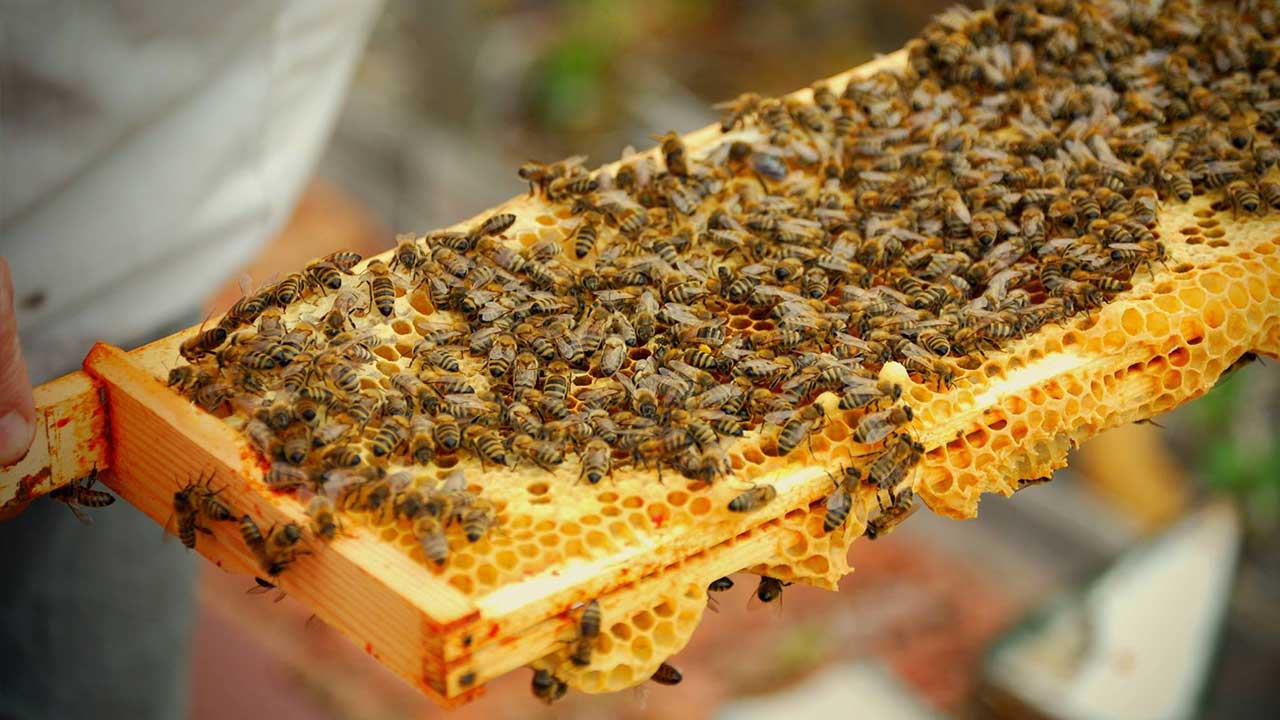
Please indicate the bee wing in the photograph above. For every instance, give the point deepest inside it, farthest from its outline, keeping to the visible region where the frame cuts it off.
(455, 481)
(779, 417)
(626, 383)
(681, 314)
(610, 297)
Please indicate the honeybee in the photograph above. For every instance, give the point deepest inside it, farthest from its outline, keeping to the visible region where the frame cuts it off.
(547, 687)
(501, 355)
(597, 458)
(838, 505)
(666, 674)
(280, 548)
(343, 260)
(900, 509)
(545, 455)
(588, 629)
(284, 476)
(1244, 196)
(80, 493)
(324, 522)
(876, 426)
(539, 175)
(753, 499)
(796, 426)
(389, 436)
(323, 275)
(408, 254)
(769, 589)
(486, 444)
(429, 530)
(892, 464)
(202, 343)
(736, 110)
(476, 521)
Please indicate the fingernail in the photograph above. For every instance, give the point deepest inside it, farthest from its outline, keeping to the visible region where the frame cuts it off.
(15, 437)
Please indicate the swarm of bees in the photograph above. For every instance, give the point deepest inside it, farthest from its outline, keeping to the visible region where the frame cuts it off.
(1009, 177)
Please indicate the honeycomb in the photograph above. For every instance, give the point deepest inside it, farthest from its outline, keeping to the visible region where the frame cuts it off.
(648, 543)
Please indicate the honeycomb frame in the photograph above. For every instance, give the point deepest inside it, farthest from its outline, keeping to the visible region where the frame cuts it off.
(1166, 340)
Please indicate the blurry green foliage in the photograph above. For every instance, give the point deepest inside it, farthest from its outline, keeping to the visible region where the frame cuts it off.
(1241, 464)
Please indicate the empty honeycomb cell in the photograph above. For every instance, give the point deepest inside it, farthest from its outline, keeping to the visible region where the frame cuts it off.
(817, 564)
(387, 368)
(1114, 340)
(621, 676)
(591, 519)
(1214, 314)
(1183, 268)
(798, 546)
(837, 431)
(1001, 442)
(528, 550)
(1131, 320)
(1072, 406)
(1191, 296)
(1213, 282)
(664, 634)
(1217, 234)
(642, 521)
(643, 621)
(976, 438)
(597, 540)
(1157, 325)
(401, 327)
(541, 220)
(958, 455)
(462, 583)
(1237, 327)
(537, 488)
(610, 511)
(549, 540)
(604, 643)
(621, 631)
(686, 620)
(388, 353)
(487, 575)
(631, 502)
(570, 529)
(618, 529)
(574, 548)
(506, 560)
(1071, 338)
(1238, 295)
(545, 525)
(1190, 230)
(1172, 380)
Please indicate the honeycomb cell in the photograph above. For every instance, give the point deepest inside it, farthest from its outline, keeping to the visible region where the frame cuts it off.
(1132, 321)
(1214, 314)
(643, 621)
(664, 634)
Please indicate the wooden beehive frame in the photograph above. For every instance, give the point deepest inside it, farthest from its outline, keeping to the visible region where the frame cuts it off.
(1082, 377)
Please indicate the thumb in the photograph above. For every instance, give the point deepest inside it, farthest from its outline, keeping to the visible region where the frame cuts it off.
(17, 408)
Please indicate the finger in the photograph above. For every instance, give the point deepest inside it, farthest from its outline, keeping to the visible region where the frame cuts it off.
(17, 408)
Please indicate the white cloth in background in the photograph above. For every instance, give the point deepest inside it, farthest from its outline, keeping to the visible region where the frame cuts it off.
(148, 147)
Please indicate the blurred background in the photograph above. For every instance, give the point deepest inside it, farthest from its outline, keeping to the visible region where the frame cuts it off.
(450, 98)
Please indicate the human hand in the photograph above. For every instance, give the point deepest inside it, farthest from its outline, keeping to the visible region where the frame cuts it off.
(17, 407)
